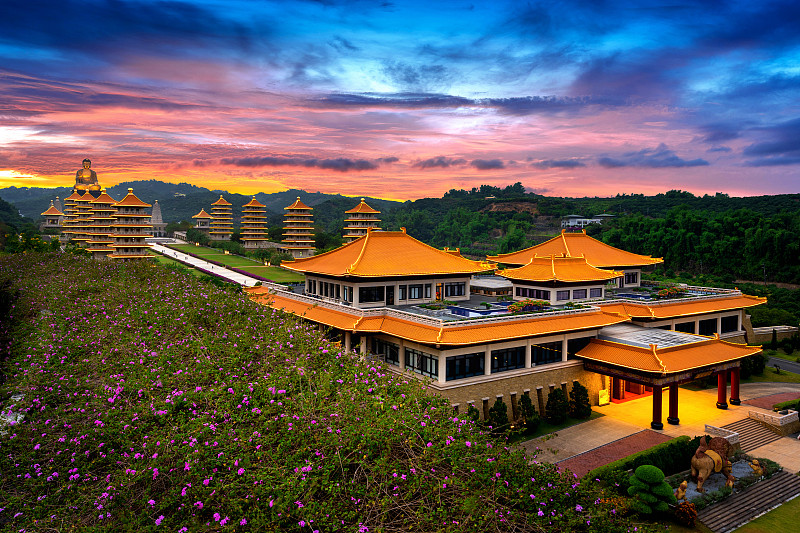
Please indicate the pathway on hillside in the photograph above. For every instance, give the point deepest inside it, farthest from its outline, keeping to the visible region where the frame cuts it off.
(216, 270)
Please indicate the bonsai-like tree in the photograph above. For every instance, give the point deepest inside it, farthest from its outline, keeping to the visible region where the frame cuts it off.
(498, 416)
(649, 490)
(579, 406)
(557, 407)
(529, 415)
(473, 414)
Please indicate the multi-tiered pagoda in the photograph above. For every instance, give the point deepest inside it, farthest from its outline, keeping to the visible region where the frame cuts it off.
(53, 217)
(131, 227)
(254, 224)
(361, 219)
(159, 226)
(221, 220)
(298, 230)
(101, 230)
(70, 216)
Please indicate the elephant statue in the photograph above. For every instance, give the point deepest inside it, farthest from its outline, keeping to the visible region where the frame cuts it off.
(710, 457)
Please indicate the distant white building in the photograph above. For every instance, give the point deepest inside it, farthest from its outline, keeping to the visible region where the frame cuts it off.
(579, 221)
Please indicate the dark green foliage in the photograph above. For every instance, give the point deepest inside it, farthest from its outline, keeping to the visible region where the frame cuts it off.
(194, 235)
(557, 407)
(773, 344)
(498, 416)
(651, 493)
(786, 346)
(579, 406)
(531, 418)
(473, 413)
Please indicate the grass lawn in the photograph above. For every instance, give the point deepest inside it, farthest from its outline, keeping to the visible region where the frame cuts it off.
(275, 273)
(784, 518)
(780, 354)
(545, 428)
(167, 261)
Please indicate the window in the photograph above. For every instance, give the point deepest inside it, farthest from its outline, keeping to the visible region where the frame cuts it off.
(522, 292)
(401, 290)
(579, 294)
(347, 293)
(631, 278)
(540, 294)
(428, 290)
(338, 292)
(455, 289)
(576, 345)
(685, 327)
(508, 359)
(596, 293)
(729, 324)
(562, 295)
(708, 327)
(465, 366)
(370, 294)
(414, 292)
(422, 363)
(548, 352)
(389, 350)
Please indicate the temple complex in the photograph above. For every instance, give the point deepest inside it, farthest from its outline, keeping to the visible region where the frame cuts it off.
(359, 220)
(159, 226)
(578, 311)
(53, 218)
(254, 224)
(298, 230)
(202, 221)
(130, 229)
(221, 227)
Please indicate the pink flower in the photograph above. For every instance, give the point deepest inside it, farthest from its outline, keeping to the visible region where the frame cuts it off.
(159, 519)
(240, 471)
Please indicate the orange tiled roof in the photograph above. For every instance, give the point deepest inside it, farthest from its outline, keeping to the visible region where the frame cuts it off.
(385, 253)
(447, 335)
(52, 211)
(74, 196)
(252, 203)
(558, 268)
(298, 205)
(202, 214)
(104, 198)
(597, 254)
(666, 360)
(87, 197)
(131, 200)
(363, 208)
(677, 308)
(222, 201)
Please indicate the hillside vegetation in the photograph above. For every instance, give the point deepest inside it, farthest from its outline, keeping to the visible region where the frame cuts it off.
(152, 401)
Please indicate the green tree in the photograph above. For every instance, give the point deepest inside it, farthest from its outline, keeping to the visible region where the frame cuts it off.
(557, 407)
(579, 405)
(530, 417)
(649, 490)
(498, 417)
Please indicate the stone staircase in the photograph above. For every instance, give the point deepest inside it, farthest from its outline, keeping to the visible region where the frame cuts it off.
(752, 434)
(757, 499)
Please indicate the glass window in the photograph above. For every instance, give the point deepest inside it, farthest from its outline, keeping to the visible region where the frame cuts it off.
(414, 292)
(465, 366)
(389, 350)
(562, 295)
(338, 291)
(548, 352)
(428, 290)
(685, 327)
(596, 293)
(455, 289)
(508, 359)
(631, 278)
(401, 292)
(422, 363)
(522, 292)
(370, 294)
(708, 327)
(579, 294)
(576, 345)
(729, 324)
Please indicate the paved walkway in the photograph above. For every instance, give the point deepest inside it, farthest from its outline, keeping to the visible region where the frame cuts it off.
(698, 408)
(222, 272)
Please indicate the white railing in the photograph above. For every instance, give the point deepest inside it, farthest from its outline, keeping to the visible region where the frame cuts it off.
(731, 436)
(775, 419)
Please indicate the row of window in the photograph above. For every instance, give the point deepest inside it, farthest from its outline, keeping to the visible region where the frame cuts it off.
(727, 324)
(379, 293)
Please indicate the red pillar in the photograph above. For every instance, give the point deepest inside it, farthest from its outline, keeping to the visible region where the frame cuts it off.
(656, 423)
(673, 405)
(722, 389)
(735, 386)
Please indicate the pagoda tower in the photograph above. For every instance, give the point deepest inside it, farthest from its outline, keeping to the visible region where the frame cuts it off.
(203, 221)
(70, 215)
(159, 226)
(52, 218)
(298, 230)
(57, 205)
(361, 219)
(82, 224)
(221, 220)
(130, 229)
(101, 232)
(254, 224)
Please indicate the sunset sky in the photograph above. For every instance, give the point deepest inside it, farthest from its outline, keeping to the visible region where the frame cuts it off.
(404, 100)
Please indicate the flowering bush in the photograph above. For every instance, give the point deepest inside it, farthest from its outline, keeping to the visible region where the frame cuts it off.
(528, 305)
(151, 400)
(670, 292)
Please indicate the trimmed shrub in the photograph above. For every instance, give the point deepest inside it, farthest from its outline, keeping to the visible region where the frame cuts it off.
(686, 514)
(651, 493)
(557, 407)
(473, 413)
(531, 418)
(579, 406)
(498, 416)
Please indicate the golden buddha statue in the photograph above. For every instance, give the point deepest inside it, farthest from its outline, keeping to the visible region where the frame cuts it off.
(86, 178)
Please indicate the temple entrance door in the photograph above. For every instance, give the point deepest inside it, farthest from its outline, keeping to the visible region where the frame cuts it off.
(389, 295)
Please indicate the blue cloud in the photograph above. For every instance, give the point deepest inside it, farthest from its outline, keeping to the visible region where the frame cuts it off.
(660, 157)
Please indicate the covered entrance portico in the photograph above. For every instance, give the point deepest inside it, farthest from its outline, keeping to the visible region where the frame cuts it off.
(621, 353)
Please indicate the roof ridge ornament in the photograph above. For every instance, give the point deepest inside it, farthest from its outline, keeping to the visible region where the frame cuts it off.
(654, 349)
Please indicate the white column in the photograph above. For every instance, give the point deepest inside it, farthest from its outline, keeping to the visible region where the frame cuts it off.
(363, 346)
(487, 361)
(564, 353)
(528, 353)
(347, 340)
(442, 368)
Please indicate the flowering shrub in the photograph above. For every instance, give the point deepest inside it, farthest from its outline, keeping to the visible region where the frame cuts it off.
(670, 292)
(154, 401)
(528, 305)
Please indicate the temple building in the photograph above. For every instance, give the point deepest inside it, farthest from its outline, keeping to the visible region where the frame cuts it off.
(130, 229)
(360, 219)
(221, 220)
(254, 225)
(159, 226)
(101, 232)
(411, 306)
(69, 215)
(298, 230)
(53, 218)
(202, 221)
(81, 224)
